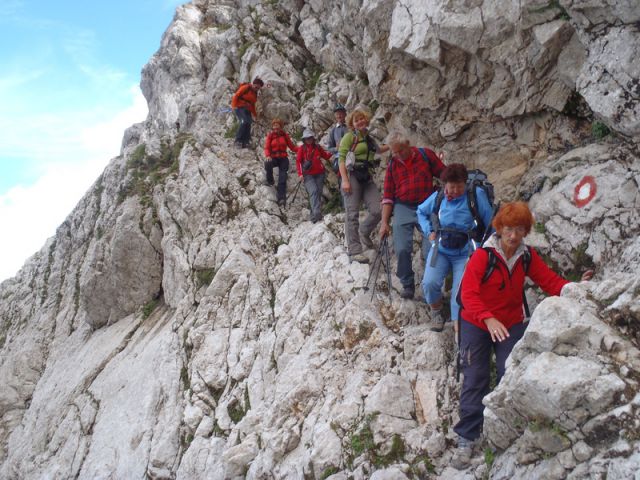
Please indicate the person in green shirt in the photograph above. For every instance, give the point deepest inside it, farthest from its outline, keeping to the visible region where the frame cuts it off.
(356, 163)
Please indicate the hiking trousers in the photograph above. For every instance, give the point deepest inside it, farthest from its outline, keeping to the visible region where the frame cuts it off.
(243, 135)
(475, 354)
(283, 168)
(370, 195)
(433, 278)
(405, 221)
(314, 185)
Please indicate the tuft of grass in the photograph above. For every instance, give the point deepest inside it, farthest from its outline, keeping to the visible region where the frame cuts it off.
(599, 130)
(327, 472)
(539, 227)
(205, 276)
(149, 307)
(184, 377)
(146, 171)
(236, 411)
(243, 49)
(314, 78)
(489, 457)
(553, 5)
(232, 130)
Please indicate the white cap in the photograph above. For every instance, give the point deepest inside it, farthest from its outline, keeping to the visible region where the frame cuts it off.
(308, 134)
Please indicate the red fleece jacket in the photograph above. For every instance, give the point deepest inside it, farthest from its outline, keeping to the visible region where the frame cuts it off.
(500, 296)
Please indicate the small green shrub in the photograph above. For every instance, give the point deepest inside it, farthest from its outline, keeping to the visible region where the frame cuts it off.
(539, 227)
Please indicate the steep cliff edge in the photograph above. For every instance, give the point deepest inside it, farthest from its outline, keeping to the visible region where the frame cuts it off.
(181, 325)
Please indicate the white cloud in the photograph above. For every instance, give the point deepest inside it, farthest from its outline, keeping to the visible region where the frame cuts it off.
(29, 214)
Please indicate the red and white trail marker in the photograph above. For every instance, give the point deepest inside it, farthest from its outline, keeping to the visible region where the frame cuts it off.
(585, 191)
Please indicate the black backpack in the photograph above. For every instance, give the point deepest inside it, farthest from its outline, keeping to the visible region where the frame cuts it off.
(476, 178)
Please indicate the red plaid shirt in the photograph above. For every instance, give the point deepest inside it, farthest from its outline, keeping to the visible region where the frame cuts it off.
(411, 181)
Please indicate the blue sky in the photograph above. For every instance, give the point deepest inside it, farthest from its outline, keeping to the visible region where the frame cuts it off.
(69, 76)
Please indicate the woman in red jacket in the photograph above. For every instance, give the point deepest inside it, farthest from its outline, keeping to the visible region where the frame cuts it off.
(275, 149)
(492, 316)
(310, 167)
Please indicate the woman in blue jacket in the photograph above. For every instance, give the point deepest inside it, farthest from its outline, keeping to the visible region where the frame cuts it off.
(447, 220)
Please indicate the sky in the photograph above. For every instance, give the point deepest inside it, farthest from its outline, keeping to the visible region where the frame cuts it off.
(69, 87)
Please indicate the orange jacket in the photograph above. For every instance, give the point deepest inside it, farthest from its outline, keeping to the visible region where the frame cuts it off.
(276, 144)
(245, 97)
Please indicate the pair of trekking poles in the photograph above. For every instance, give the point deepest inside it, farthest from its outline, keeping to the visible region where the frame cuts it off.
(382, 257)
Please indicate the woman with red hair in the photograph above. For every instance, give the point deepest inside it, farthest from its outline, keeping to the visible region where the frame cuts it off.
(492, 316)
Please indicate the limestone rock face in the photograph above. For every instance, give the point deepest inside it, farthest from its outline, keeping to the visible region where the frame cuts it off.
(180, 324)
(569, 399)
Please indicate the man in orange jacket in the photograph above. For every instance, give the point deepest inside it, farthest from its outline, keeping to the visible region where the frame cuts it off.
(243, 104)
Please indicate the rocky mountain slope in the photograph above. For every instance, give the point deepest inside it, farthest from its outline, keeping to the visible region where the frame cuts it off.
(181, 325)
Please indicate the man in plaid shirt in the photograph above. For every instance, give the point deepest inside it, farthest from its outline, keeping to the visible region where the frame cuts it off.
(407, 183)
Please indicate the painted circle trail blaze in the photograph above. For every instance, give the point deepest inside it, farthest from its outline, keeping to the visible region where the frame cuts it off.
(585, 191)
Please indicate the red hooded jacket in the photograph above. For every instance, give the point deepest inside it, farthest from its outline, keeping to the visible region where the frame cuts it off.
(314, 153)
(500, 296)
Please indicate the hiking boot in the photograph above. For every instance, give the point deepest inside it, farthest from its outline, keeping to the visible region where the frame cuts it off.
(408, 292)
(359, 257)
(366, 241)
(462, 456)
(437, 321)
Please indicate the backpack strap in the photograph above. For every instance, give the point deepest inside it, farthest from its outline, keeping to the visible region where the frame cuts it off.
(423, 152)
(491, 265)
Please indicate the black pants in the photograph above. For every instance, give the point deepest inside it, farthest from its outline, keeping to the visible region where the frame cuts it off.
(283, 168)
(243, 135)
(475, 352)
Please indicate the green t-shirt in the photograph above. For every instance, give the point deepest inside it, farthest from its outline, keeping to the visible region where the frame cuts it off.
(362, 151)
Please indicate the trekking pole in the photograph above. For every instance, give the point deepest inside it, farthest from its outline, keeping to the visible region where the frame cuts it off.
(375, 268)
(295, 193)
(388, 264)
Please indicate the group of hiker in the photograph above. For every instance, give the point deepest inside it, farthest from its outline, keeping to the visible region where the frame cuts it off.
(485, 253)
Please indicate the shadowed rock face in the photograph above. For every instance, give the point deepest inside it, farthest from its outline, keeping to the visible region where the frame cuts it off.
(182, 325)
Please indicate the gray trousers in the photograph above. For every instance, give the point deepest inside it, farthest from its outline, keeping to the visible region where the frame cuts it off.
(314, 185)
(370, 195)
(405, 221)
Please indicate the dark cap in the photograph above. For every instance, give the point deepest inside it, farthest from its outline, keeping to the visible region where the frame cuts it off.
(339, 107)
